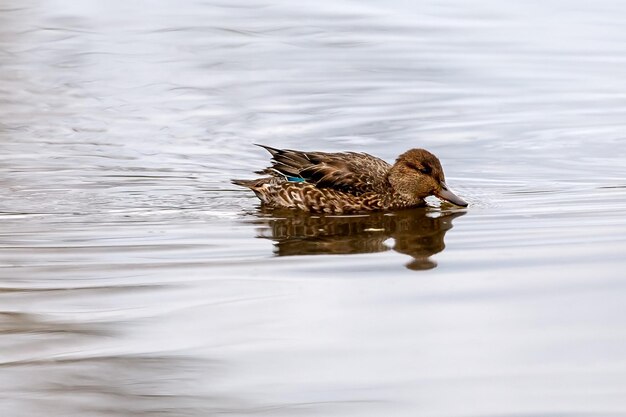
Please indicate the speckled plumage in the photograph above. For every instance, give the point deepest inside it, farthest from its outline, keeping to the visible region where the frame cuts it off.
(349, 182)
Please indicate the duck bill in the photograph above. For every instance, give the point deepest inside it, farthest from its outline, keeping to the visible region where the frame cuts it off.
(445, 194)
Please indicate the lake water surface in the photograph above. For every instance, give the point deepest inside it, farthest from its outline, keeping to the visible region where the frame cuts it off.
(135, 280)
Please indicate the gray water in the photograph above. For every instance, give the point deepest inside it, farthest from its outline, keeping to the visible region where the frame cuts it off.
(135, 280)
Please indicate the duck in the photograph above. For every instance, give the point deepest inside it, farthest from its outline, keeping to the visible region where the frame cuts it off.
(349, 182)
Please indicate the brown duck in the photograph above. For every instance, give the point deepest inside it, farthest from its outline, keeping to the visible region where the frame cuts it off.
(349, 182)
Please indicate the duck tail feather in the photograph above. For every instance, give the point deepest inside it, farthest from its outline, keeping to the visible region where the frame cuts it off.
(244, 183)
(273, 151)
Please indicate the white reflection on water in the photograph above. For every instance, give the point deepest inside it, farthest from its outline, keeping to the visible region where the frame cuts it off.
(132, 278)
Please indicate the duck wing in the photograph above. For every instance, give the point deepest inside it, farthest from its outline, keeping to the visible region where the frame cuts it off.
(350, 172)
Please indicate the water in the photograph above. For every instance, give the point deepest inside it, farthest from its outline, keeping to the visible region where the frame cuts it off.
(136, 280)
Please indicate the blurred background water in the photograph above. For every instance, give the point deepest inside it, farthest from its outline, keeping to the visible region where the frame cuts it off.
(136, 280)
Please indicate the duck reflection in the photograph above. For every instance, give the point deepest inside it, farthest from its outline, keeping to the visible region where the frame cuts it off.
(418, 233)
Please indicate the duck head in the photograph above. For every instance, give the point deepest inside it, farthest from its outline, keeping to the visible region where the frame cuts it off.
(417, 174)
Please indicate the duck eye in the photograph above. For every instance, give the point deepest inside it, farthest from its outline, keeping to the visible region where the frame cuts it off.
(425, 169)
